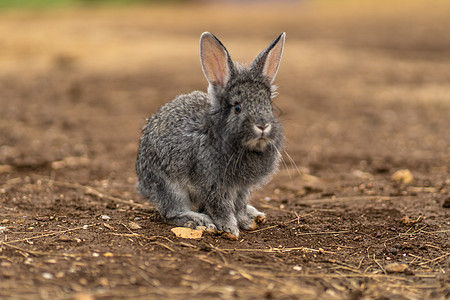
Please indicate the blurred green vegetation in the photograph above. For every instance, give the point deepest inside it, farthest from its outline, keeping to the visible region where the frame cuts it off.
(42, 4)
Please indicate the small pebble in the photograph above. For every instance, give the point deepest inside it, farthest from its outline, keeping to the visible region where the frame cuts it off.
(393, 250)
(83, 296)
(108, 226)
(103, 282)
(396, 268)
(51, 261)
(3, 229)
(297, 268)
(85, 227)
(6, 169)
(47, 275)
(406, 220)
(65, 238)
(403, 176)
(105, 217)
(134, 225)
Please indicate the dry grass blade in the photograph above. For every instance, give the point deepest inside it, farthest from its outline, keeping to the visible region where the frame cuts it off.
(46, 253)
(50, 234)
(92, 191)
(345, 266)
(281, 250)
(33, 252)
(435, 259)
(340, 276)
(150, 238)
(323, 232)
(435, 232)
(381, 267)
(344, 199)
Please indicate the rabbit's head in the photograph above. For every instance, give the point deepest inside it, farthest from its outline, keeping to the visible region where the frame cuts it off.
(241, 97)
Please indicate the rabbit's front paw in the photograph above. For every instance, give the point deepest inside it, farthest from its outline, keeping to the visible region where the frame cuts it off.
(251, 218)
(229, 228)
(260, 219)
(193, 220)
(194, 225)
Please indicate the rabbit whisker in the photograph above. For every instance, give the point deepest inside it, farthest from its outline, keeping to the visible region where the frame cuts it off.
(293, 163)
(284, 162)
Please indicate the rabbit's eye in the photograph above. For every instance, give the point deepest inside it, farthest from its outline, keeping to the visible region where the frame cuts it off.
(237, 108)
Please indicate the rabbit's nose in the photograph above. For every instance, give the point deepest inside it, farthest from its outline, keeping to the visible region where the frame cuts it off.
(261, 129)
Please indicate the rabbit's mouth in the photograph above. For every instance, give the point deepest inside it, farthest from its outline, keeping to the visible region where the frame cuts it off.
(258, 144)
(261, 137)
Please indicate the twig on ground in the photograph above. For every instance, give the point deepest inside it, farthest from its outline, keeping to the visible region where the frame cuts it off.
(164, 245)
(150, 238)
(341, 246)
(323, 232)
(435, 259)
(35, 253)
(433, 246)
(127, 228)
(297, 218)
(408, 233)
(281, 250)
(50, 234)
(44, 253)
(434, 232)
(343, 199)
(344, 265)
(415, 257)
(92, 191)
(381, 267)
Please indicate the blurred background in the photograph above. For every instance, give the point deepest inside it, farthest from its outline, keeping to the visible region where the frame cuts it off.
(364, 92)
(363, 84)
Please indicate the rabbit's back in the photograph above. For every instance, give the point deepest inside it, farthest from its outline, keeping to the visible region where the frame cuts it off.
(172, 135)
(183, 115)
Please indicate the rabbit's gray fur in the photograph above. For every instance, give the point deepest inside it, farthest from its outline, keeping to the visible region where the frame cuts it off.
(199, 159)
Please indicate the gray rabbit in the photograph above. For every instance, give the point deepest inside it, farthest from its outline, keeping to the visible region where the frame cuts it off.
(201, 155)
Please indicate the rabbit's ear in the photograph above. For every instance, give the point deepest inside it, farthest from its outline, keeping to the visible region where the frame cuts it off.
(269, 59)
(216, 62)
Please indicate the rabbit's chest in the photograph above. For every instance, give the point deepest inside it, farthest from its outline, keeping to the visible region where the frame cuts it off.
(251, 168)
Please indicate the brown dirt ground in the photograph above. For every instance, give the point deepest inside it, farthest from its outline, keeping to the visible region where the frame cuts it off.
(364, 92)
